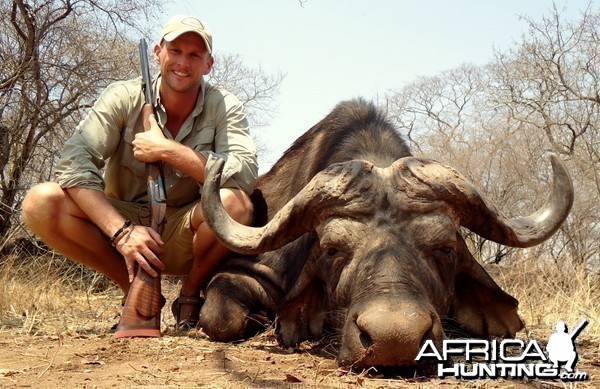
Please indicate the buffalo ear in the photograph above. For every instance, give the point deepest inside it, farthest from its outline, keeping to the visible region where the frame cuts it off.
(481, 306)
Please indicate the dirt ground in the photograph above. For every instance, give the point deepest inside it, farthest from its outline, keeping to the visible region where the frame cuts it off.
(76, 350)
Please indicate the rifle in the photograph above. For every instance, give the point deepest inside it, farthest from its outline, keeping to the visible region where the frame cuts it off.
(141, 312)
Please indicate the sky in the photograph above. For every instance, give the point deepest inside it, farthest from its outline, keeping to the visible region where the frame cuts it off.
(334, 50)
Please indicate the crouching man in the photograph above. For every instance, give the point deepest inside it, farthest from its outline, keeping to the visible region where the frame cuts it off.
(87, 210)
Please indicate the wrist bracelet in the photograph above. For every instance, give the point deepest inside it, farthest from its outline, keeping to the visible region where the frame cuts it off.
(120, 231)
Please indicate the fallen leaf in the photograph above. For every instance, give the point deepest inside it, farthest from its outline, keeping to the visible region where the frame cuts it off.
(8, 372)
(92, 363)
(291, 378)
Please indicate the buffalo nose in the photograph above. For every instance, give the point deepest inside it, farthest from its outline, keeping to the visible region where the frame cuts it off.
(392, 337)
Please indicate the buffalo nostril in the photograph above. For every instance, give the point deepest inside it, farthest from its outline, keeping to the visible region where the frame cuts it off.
(365, 339)
(392, 336)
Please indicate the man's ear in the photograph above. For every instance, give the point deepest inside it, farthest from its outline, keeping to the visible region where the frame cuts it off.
(210, 63)
(157, 50)
(481, 306)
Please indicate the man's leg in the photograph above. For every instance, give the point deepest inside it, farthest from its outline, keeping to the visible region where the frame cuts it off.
(51, 213)
(208, 251)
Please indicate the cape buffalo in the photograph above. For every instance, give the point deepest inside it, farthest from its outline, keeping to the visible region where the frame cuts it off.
(365, 238)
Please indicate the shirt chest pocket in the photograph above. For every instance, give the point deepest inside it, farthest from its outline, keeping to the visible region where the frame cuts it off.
(128, 161)
(203, 140)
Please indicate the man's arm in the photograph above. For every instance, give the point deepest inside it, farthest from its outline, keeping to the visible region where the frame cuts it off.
(139, 245)
(232, 139)
(152, 146)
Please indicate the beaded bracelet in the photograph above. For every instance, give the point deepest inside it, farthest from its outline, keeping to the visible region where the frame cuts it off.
(119, 232)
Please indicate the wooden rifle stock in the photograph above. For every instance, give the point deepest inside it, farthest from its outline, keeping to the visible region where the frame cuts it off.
(141, 312)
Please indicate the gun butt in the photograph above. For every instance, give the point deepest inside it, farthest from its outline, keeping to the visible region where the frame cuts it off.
(141, 313)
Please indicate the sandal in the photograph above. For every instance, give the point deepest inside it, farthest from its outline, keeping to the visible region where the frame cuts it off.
(191, 321)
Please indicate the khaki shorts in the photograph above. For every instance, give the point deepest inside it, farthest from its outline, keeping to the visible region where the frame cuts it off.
(177, 251)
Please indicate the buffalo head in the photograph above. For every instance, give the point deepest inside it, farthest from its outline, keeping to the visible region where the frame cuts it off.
(389, 261)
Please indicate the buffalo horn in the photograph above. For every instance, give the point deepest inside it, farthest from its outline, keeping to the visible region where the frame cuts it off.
(325, 193)
(479, 215)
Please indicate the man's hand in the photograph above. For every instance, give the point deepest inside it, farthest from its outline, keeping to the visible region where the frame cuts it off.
(141, 245)
(150, 145)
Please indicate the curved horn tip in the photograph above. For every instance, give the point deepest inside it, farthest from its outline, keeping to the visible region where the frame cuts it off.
(561, 174)
(549, 218)
(535, 228)
(558, 164)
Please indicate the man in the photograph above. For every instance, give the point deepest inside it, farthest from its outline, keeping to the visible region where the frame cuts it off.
(86, 215)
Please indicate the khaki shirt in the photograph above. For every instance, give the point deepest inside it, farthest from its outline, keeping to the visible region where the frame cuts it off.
(216, 128)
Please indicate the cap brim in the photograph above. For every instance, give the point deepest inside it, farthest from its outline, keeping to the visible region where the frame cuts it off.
(171, 36)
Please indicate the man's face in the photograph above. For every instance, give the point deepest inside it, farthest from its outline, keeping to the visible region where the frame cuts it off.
(183, 62)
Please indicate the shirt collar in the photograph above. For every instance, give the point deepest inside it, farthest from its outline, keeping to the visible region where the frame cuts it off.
(162, 114)
(199, 102)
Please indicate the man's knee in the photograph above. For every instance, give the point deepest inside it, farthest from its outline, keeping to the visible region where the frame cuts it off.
(41, 202)
(237, 204)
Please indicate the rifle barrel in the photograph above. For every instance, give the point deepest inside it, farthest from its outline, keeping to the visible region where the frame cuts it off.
(578, 330)
(143, 49)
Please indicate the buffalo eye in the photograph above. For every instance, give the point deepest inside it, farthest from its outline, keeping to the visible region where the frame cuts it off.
(331, 263)
(333, 253)
(446, 253)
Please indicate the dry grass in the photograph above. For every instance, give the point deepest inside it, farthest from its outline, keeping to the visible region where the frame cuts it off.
(50, 294)
(60, 312)
(33, 290)
(547, 295)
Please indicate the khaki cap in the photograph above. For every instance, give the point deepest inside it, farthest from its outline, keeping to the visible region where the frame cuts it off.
(181, 24)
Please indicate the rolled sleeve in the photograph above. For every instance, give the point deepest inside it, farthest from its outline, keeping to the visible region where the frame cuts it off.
(77, 169)
(234, 144)
(94, 141)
